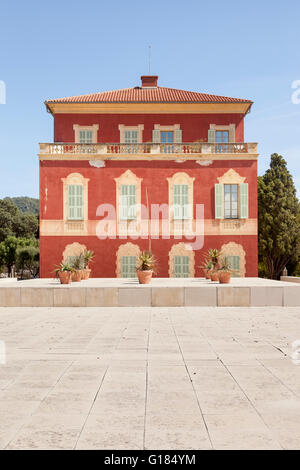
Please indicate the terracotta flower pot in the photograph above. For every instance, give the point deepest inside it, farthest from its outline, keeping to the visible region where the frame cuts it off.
(85, 274)
(144, 277)
(65, 277)
(214, 276)
(224, 277)
(207, 274)
(76, 276)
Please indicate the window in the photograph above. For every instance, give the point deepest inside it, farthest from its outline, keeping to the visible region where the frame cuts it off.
(86, 134)
(128, 268)
(231, 196)
(167, 137)
(181, 266)
(181, 201)
(128, 202)
(131, 137)
(71, 260)
(235, 264)
(222, 137)
(75, 202)
(230, 201)
(85, 137)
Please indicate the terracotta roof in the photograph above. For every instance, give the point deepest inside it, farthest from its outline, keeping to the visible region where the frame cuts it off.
(148, 95)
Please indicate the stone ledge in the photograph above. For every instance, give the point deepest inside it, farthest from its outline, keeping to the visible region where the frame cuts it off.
(160, 293)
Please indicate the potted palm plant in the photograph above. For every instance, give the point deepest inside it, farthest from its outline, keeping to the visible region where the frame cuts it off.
(207, 267)
(77, 266)
(145, 267)
(214, 257)
(88, 256)
(224, 272)
(64, 271)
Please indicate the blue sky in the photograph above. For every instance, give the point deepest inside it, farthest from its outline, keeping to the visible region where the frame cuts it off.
(62, 48)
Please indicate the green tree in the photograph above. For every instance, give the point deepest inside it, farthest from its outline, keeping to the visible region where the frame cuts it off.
(15, 223)
(8, 214)
(278, 218)
(8, 250)
(27, 259)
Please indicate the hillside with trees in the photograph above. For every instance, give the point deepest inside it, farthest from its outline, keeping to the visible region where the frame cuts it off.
(25, 204)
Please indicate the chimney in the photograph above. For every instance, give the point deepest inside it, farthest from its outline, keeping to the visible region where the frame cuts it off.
(149, 81)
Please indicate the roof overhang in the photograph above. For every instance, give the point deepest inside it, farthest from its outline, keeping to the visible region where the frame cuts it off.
(148, 108)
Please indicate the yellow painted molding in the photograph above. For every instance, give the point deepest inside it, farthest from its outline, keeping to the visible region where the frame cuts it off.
(149, 108)
(239, 227)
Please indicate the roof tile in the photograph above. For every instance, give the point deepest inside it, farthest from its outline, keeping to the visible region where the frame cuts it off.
(148, 95)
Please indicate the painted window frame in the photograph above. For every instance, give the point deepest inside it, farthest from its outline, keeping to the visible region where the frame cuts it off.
(76, 179)
(139, 128)
(132, 225)
(180, 179)
(231, 177)
(126, 249)
(181, 249)
(93, 128)
(235, 249)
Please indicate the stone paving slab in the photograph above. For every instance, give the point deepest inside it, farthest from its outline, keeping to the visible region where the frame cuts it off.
(161, 292)
(149, 378)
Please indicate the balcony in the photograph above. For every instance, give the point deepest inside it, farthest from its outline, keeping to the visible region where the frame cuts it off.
(148, 150)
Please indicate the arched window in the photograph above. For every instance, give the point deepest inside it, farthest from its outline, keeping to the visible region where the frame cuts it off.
(126, 260)
(236, 257)
(181, 261)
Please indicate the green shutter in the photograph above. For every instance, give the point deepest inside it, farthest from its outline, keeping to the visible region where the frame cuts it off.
(235, 265)
(75, 202)
(219, 211)
(85, 137)
(128, 266)
(178, 136)
(181, 201)
(156, 136)
(181, 266)
(211, 136)
(244, 201)
(232, 134)
(127, 206)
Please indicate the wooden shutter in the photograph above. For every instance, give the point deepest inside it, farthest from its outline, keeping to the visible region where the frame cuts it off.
(235, 264)
(232, 134)
(128, 266)
(127, 206)
(85, 137)
(177, 136)
(181, 266)
(75, 202)
(211, 136)
(156, 136)
(219, 210)
(181, 201)
(244, 201)
(132, 201)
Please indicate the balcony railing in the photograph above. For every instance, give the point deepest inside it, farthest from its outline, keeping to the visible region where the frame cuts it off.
(147, 148)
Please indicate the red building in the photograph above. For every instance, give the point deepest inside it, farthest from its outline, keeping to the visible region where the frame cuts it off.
(178, 153)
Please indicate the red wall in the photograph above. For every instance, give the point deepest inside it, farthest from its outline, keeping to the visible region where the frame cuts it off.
(105, 253)
(194, 126)
(102, 187)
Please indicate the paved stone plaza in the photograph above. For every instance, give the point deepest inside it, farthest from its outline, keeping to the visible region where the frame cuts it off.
(153, 378)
